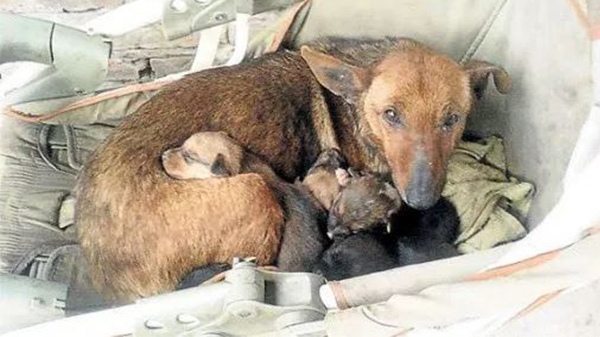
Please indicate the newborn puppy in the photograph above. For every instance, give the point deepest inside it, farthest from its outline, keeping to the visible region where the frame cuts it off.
(428, 235)
(321, 179)
(356, 254)
(360, 246)
(416, 237)
(365, 202)
(204, 155)
(207, 155)
(437, 224)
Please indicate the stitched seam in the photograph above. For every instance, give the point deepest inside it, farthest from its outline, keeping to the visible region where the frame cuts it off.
(72, 149)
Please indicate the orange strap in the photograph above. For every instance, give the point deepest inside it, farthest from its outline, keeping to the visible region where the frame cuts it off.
(515, 267)
(338, 293)
(130, 89)
(592, 30)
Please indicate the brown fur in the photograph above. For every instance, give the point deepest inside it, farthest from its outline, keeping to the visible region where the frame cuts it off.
(212, 155)
(423, 87)
(204, 155)
(129, 212)
(182, 238)
(365, 202)
(321, 179)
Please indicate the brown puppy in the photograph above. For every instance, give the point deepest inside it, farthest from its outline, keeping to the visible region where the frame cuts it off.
(356, 203)
(394, 106)
(322, 178)
(214, 154)
(365, 202)
(204, 155)
(209, 155)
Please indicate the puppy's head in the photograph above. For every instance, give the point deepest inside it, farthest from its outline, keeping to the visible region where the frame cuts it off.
(355, 255)
(364, 203)
(204, 155)
(321, 179)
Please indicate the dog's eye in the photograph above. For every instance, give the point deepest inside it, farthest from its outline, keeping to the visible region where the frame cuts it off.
(393, 117)
(187, 157)
(449, 121)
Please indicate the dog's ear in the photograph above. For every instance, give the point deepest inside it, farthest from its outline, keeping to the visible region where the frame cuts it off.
(480, 71)
(219, 167)
(340, 78)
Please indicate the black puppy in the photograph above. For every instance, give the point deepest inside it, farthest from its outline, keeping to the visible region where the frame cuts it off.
(416, 237)
(356, 254)
(423, 236)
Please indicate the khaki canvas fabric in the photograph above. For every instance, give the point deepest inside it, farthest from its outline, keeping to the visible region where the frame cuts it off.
(38, 166)
(489, 202)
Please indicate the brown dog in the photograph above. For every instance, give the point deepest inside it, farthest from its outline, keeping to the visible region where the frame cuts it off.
(394, 106)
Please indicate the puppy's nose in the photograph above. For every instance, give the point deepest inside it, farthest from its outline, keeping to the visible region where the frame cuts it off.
(165, 156)
(336, 229)
(339, 232)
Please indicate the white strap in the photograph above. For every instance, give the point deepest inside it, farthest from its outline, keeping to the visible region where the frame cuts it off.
(126, 18)
(208, 44)
(242, 37)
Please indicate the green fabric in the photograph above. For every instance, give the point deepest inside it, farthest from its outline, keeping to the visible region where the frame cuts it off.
(490, 203)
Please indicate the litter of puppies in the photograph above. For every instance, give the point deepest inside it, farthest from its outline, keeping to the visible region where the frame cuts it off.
(203, 171)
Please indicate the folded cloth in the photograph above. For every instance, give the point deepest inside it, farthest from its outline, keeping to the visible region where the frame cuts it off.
(490, 203)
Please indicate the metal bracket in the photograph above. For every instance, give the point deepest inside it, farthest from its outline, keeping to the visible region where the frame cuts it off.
(78, 62)
(27, 301)
(249, 302)
(183, 17)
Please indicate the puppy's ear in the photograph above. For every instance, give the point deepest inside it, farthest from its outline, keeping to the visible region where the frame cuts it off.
(224, 134)
(480, 71)
(218, 167)
(342, 176)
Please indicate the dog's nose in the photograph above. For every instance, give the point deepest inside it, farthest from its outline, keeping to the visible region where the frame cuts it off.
(422, 191)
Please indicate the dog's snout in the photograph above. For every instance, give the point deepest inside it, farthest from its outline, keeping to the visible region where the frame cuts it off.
(422, 190)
